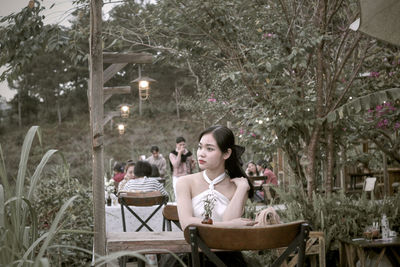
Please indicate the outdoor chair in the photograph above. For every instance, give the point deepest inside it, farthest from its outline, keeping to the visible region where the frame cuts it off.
(292, 235)
(170, 214)
(148, 199)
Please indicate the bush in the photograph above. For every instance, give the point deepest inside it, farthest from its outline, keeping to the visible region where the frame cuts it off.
(339, 216)
(53, 190)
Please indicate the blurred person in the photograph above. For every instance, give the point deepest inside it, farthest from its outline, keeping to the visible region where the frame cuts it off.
(251, 169)
(264, 168)
(181, 160)
(119, 173)
(157, 159)
(129, 168)
(140, 180)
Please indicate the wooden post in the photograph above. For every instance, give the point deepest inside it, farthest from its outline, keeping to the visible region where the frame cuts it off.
(96, 124)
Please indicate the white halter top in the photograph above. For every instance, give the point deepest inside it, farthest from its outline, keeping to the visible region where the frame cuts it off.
(221, 201)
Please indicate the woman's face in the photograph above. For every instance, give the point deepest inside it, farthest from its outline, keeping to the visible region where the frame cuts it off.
(209, 154)
(129, 172)
(251, 167)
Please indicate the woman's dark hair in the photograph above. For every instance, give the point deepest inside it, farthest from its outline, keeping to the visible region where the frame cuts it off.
(119, 166)
(142, 168)
(225, 139)
(154, 171)
(130, 163)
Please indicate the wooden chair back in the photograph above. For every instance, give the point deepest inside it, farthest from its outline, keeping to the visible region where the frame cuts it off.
(170, 213)
(142, 199)
(247, 238)
(207, 237)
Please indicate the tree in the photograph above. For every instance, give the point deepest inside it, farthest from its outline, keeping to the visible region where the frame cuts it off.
(276, 69)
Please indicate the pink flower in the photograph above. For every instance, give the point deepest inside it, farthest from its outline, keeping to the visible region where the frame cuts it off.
(397, 125)
(241, 131)
(212, 100)
(374, 74)
(253, 134)
(379, 107)
(270, 35)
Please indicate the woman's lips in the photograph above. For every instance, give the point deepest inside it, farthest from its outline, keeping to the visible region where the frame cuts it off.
(202, 161)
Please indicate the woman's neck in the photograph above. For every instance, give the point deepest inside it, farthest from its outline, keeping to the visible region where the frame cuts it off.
(212, 174)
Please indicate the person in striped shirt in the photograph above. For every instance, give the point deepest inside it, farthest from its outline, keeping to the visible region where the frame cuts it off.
(140, 182)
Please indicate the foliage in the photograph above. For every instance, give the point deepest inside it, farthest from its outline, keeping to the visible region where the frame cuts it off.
(250, 62)
(56, 188)
(339, 216)
(380, 124)
(21, 242)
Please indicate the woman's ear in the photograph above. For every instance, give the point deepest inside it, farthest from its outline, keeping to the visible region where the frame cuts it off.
(227, 154)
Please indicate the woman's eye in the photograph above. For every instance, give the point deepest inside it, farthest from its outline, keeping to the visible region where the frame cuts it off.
(210, 149)
(199, 147)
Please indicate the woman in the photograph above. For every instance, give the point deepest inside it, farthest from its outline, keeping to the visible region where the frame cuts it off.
(251, 169)
(130, 166)
(222, 178)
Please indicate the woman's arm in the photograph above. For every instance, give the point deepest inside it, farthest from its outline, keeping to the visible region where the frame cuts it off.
(184, 201)
(175, 160)
(235, 208)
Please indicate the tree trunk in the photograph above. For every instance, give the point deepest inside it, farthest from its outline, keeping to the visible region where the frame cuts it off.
(319, 89)
(310, 168)
(330, 151)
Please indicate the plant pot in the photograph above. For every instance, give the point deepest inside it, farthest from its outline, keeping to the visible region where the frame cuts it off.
(207, 220)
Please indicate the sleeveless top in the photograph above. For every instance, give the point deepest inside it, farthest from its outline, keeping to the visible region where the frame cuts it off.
(221, 201)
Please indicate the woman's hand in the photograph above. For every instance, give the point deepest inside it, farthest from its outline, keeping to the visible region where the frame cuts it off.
(242, 222)
(241, 183)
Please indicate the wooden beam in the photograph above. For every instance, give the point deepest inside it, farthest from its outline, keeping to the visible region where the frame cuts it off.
(109, 91)
(96, 108)
(139, 58)
(111, 115)
(117, 90)
(112, 70)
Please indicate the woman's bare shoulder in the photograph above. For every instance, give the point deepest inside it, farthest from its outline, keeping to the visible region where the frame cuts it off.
(189, 178)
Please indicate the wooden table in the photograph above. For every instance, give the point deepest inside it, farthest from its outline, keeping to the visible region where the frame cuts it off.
(152, 242)
(358, 249)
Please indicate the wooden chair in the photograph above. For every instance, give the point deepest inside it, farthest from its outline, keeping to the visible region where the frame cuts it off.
(170, 214)
(206, 237)
(147, 199)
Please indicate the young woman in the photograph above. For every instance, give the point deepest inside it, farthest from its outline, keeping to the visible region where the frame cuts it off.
(222, 177)
(252, 169)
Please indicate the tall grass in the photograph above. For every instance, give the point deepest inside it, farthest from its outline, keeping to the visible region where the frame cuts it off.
(20, 243)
